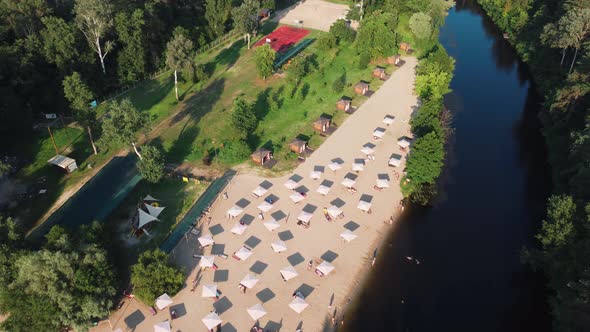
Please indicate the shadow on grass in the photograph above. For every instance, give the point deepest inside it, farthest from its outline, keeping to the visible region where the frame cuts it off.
(230, 55)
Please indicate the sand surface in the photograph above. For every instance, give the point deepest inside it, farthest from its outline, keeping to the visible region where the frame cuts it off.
(320, 241)
(313, 14)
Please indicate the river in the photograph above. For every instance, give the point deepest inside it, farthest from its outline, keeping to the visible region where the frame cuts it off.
(489, 206)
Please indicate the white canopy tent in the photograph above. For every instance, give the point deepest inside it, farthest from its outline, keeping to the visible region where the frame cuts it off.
(234, 211)
(163, 301)
(324, 190)
(348, 182)
(358, 166)
(279, 246)
(296, 197)
(249, 281)
(315, 175)
(298, 304)
(305, 217)
(271, 225)
(289, 272)
(211, 320)
(334, 211)
(150, 198)
(403, 142)
(348, 235)
(395, 160)
(367, 150)
(364, 205)
(209, 290)
(162, 327)
(259, 191)
(379, 133)
(207, 261)
(290, 184)
(325, 268)
(382, 183)
(265, 206)
(243, 253)
(154, 210)
(256, 311)
(145, 218)
(239, 229)
(334, 166)
(206, 240)
(388, 119)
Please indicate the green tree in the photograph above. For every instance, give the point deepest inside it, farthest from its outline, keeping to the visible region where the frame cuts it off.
(427, 119)
(79, 96)
(217, 13)
(377, 35)
(558, 228)
(153, 275)
(421, 25)
(245, 18)
(132, 57)
(265, 60)
(426, 159)
(342, 32)
(339, 83)
(364, 59)
(298, 68)
(326, 42)
(59, 42)
(4, 168)
(179, 55)
(243, 117)
(151, 165)
(234, 151)
(433, 85)
(23, 17)
(95, 20)
(122, 124)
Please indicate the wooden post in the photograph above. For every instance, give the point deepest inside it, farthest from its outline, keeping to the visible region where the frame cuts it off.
(52, 140)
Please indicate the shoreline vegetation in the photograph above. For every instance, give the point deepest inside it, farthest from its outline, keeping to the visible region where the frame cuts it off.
(552, 37)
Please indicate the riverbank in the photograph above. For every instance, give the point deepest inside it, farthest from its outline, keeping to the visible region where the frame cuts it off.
(321, 241)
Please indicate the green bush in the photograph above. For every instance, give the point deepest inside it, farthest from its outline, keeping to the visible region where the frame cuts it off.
(342, 32)
(364, 59)
(234, 152)
(326, 42)
(339, 83)
(153, 275)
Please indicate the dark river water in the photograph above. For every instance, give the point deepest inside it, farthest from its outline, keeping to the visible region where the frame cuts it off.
(491, 201)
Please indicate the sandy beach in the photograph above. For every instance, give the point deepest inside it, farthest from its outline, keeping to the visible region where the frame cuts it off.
(327, 296)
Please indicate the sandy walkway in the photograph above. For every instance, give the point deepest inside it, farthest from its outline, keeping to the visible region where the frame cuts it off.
(351, 260)
(315, 14)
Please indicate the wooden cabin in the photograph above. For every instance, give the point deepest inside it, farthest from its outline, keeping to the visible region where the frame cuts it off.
(260, 156)
(404, 46)
(343, 104)
(264, 14)
(361, 88)
(298, 145)
(394, 60)
(322, 124)
(379, 73)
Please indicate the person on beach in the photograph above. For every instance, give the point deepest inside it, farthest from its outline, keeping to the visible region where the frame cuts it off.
(260, 216)
(309, 265)
(225, 196)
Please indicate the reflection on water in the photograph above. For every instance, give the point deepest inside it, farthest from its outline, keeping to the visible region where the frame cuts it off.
(492, 198)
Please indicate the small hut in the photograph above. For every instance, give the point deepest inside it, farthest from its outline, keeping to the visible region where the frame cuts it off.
(343, 104)
(404, 46)
(379, 73)
(298, 145)
(263, 14)
(322, 124)
(361, 88)
(394, 60)
(260, 156)
(67, 164)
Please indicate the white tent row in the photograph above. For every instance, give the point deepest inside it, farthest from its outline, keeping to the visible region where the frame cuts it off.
(364, 205)
(305, 217)
(296, 197)
(206, 240)
(150, 198)
(207, 261)
(209, 290)
(239, 229)
(234, 211)
(259, 191)
(163, 326)
(379, 132)
(334, 211)
(289, 272)
(271, 224)
(265, 206)
(367, 149)
(395, 160)
(358, 165)
(145, 218)
(388, 119)
(163, 301)
(249, 281)
(334, 166)
(290, 184)
(243, 253)
(403, 142)
(324, 190)
(382, 183)
(298, 304)
(348, 182)
(256, 311)
(315, 175)
(211, 320)
(278, 246)
(325, 268)
(154, 210)
(348, 235)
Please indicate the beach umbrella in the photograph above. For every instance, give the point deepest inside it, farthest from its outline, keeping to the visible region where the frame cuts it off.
(206, 240)
(348, 235)
(296, 197)
(150, 198)
(315, 175)
(259, 191)
(358, 165)
(388, 119)
(382, 183)
(249, 281)
(207, 261)
(298, 304)
(334, 211)
(348, 182)
(211, 320)
(324, 190)
(243, 253)
(209, 290)
(365, 206)
(271, 225)
(163, 301)
(239, 229)
(145, 218)
(368, 149)
(379, 132)
(234, 211)
(289, 272)
(278, 246)
(325, 268)
(334, 166)
(403, 142)
(256, 311)
(395, 160)
(154, 210)
(304, 216)
(265, 206)
(162, 327)
(290, 184)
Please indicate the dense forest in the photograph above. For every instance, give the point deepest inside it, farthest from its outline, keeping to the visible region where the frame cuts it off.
(553, 38)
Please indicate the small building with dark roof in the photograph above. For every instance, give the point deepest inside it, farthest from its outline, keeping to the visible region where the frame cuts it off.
(361, 88)
(343, 104)
(404, 46)
(298, 145)
(379, 73)
(322, 124)
(261, 156)
(394, 60)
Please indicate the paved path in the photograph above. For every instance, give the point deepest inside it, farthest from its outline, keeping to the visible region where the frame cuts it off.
(315, 14)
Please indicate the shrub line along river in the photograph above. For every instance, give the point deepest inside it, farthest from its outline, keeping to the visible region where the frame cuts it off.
(490, 203)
